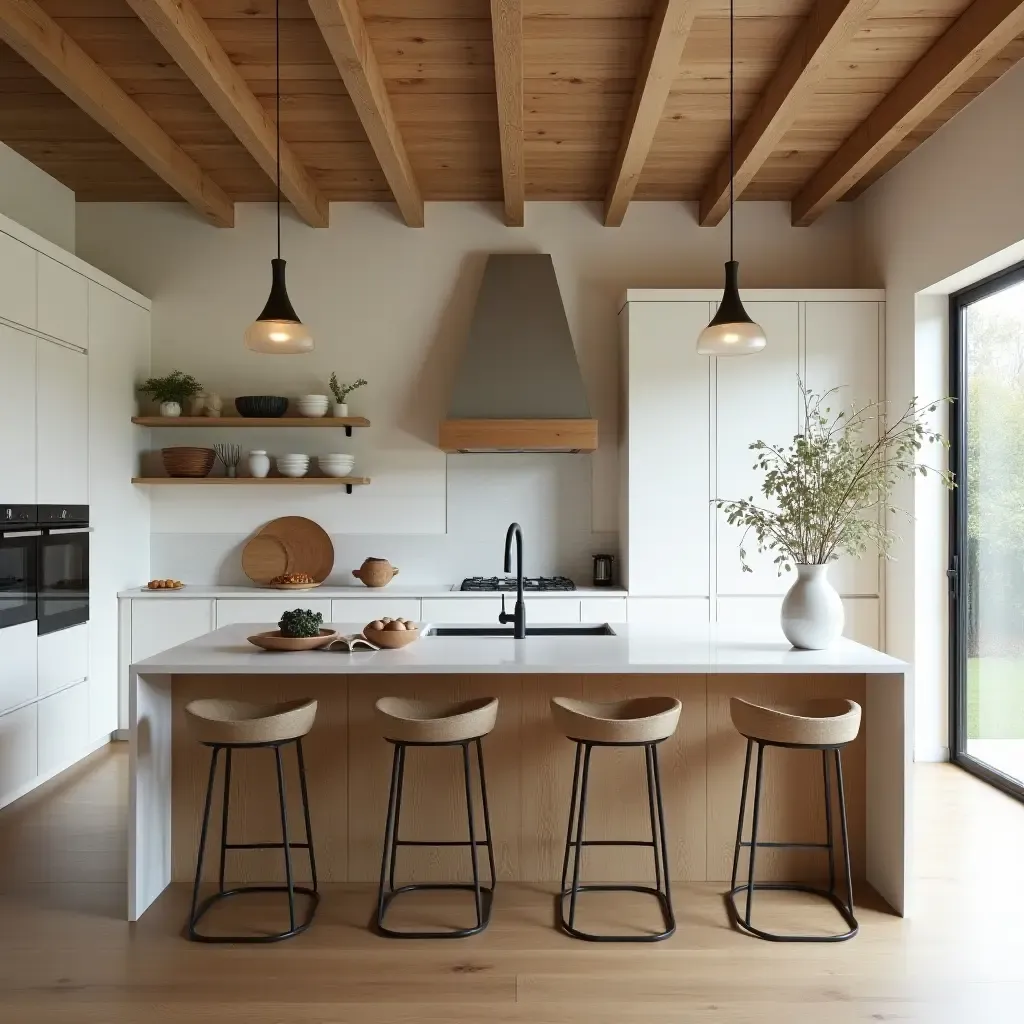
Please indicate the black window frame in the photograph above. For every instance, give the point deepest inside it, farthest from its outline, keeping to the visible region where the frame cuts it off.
(958, 417)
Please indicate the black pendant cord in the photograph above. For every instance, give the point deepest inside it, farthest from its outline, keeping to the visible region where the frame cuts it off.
(277, 93)
(732, 134)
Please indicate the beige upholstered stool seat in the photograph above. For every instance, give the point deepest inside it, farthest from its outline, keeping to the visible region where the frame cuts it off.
(436, 721)
(636, 720)
(228, 722)
(827, 722)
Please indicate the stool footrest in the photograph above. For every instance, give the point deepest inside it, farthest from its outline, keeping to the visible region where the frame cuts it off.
(265, 846)
(844, 912)
(663, 902)
(788, 846)
(486, 901)
(446, 842)
(195, 936)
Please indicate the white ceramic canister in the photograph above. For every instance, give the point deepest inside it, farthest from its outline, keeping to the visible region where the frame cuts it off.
(259, 463)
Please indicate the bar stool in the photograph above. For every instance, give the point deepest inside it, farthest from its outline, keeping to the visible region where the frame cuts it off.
(421, 723)
(639, 722)
(827, 725)
(231, 725)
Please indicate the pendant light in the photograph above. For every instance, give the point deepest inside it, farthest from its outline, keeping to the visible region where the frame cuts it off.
(278, 329)
(731, 332)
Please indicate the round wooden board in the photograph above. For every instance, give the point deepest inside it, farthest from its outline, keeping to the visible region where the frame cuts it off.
(263, 558)
(308, 546)
(294, 586)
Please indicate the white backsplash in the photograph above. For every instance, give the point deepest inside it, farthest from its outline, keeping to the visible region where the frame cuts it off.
(440, 538)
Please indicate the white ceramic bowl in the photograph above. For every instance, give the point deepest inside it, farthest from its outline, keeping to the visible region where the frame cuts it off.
(313, 406)
(292, 471)
(335, 467)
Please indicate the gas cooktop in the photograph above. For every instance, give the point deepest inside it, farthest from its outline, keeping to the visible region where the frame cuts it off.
(534, 583)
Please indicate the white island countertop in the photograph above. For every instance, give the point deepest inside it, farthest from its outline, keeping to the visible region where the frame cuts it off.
(634, 649)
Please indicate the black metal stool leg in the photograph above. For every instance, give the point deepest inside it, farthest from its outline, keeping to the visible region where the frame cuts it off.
(578, 842)
(487, 813)
(389, 837)
(305, 813)
(828, 824)
(224, 818)
(846, 840)
(648, 764)
(477, 899)
(758, 772)
(666, 902)
(396, 827)
(193, 917)
(284, 838)
(572, 815)
(741, 817)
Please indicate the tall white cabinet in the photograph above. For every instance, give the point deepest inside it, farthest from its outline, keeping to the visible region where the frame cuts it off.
(689, 423)
(73, 345)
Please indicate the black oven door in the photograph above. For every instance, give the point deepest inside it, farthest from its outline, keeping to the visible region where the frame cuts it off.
(63, 576)
(18, 567)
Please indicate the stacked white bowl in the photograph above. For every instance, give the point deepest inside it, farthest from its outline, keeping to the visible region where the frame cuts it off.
(313, 406)
(292, 465)
(335, 464)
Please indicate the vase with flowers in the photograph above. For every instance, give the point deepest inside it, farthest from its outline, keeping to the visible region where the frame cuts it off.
(341, 392)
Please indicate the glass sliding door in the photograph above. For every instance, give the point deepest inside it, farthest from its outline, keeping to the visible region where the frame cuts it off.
(987, 530)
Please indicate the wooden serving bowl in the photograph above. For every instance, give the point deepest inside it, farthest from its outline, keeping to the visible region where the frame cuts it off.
(273, 641)
(183, 461)
(392, 639)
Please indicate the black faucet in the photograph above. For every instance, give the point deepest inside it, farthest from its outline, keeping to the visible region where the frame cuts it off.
(519, 615)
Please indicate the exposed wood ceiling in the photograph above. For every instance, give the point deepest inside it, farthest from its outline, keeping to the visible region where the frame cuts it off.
(592, 102)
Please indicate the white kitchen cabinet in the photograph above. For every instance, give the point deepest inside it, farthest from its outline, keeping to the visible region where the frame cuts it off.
(759, 617)
(18, 416)
(267, 610)
(667, 510)
(63, 728)
(160, 624)
(669, 612)
(361, 610)
(63, 302)
(757, 399)
(18, 752)
(603, 609)
(62, 425)
(17, 281)
(17, 666)
(63, 658)
(485, 610)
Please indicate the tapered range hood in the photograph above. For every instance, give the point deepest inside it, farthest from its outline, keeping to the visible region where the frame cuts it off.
(518, 387)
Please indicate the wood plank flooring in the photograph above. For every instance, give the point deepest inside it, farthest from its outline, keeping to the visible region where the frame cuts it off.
(68, 957)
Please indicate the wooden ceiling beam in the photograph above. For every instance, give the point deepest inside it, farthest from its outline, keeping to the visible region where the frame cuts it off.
(978, 35)
(345, 33)
(26, 28)
(669, 29)
(507, 35)
(830, 25)
(181, 30)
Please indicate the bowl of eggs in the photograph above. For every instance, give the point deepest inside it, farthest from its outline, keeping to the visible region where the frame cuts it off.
(391, 633)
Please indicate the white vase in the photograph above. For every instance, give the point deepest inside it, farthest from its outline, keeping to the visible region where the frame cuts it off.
(340, 409)
(812, 613)
(170, 409)
(259, 464)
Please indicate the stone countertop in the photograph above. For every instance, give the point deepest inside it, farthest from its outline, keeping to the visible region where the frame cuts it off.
(634, 649)
(328, 592)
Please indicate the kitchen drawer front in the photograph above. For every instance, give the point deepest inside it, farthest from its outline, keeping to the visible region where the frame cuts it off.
(358, 611)
(63, 658)
(266, 610)
(18, 660)
(485, 610)
(759, 617)
(18, 753)
(669, 612)
(63, 727)
(158, 625)
(603, 609)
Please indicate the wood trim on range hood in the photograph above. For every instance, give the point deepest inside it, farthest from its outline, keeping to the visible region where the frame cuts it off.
(532, 435)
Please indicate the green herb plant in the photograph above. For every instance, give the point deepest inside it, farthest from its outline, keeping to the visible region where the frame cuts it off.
(824, 492)
(175, 387)
(342, 391)
(300, 623)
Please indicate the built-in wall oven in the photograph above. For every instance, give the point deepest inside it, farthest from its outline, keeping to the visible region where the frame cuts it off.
(19, 562)
(63, 567)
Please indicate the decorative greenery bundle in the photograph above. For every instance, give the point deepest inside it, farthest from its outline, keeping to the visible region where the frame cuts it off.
(299, 622)
(828, 487)
(341, 392)
(175, 387)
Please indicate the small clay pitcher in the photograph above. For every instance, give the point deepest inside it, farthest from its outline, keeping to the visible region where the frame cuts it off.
(375, 572)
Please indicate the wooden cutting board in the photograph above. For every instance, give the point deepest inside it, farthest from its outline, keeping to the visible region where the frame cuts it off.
(263, 558)
(307, 545)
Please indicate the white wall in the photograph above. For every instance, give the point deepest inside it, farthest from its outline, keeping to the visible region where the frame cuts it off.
(950, 213)
(393, 304)
(35, 200)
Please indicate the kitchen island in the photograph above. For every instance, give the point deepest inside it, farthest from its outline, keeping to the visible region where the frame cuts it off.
(529, 762)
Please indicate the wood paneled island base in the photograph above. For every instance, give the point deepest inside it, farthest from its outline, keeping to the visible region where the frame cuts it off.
(529, 768)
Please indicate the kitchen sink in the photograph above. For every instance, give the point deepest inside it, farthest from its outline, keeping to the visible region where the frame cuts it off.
(599, 629)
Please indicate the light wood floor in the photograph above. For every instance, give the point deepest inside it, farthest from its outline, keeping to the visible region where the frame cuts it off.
(66, 954)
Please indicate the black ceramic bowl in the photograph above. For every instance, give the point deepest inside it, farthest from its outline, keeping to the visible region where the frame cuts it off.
(261, 405)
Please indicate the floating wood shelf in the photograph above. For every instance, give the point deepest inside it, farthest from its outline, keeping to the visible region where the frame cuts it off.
(241, 422)
(348, 482)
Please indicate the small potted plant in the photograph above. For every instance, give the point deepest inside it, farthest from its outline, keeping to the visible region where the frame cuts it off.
(828, 492)
(172, 391)
(341, 392)
(300, 623)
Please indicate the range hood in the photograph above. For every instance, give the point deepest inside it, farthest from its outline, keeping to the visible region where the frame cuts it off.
(518, 386)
